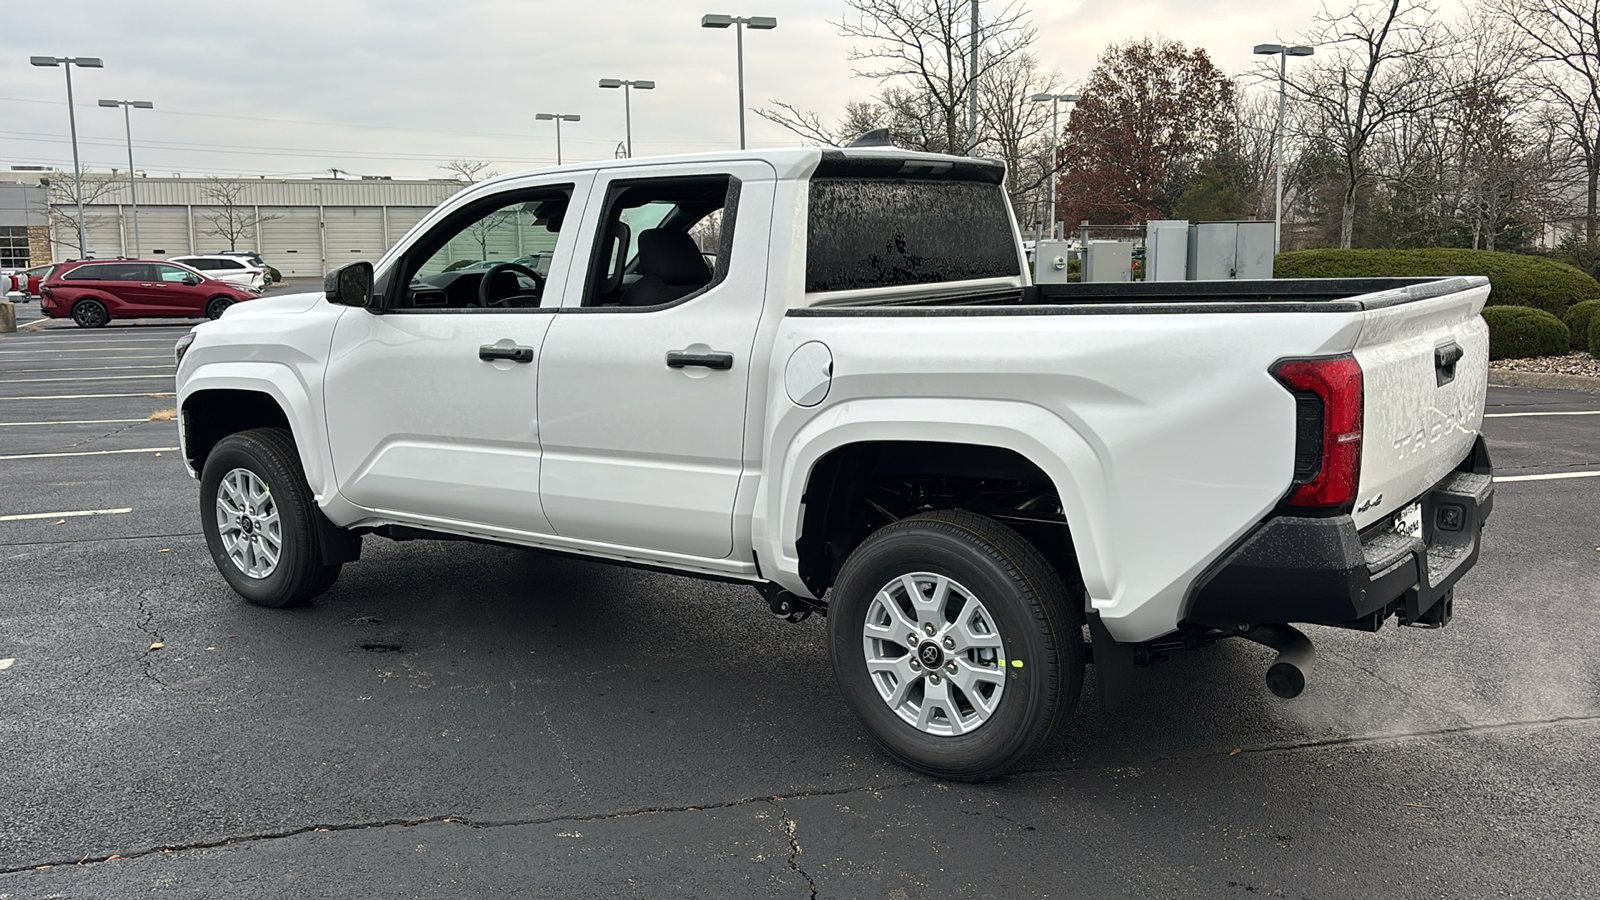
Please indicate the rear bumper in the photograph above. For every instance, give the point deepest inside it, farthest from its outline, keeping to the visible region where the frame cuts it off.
(1321, 571)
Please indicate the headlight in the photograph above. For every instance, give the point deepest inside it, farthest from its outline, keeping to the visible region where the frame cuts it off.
(182, 347)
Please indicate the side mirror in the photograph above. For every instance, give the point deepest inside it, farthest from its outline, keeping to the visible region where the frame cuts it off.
(349, 285)
(191, 280)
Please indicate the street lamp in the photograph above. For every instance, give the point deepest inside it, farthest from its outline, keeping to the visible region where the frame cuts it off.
(127, 128)
(559, 118)
(757, 23)
(627, 104)
(1055, 101)
(1282, 53)
(82, 62)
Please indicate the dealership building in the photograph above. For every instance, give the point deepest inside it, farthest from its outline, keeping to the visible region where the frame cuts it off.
(303, 227)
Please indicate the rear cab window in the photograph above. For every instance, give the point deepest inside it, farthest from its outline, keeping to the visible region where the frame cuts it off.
(889, 222)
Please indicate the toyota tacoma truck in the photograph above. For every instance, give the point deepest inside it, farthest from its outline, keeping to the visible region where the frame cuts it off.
(826, 374)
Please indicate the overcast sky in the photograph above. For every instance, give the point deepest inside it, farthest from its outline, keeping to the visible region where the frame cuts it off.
(295, 87)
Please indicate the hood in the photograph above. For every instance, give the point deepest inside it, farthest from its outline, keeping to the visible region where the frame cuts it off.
(276, 303)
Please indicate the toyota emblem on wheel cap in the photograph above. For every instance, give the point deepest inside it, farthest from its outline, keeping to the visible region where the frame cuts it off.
(931, 655)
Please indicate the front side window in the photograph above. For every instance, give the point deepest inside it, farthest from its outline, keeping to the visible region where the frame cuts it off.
(494, 254)
(226, 264)
(661, 240)
(172, 274)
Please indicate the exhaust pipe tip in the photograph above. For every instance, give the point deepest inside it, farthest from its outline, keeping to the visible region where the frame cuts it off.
(1286, 680)
(1286, 677)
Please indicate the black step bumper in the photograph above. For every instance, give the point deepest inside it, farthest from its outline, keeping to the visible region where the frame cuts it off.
(1321, 571)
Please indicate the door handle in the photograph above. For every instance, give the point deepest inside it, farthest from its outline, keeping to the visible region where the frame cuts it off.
(715, 359)
(490, 352)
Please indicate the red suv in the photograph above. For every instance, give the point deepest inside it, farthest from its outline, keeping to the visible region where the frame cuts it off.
(94, 292)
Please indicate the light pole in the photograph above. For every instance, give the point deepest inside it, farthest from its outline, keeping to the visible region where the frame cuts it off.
(627, 104)
(1055, 101)
(559, 118)
(127, 128)
(757, 23)
(82, 62)
(1282, 53)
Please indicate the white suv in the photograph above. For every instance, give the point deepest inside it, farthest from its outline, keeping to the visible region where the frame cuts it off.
(232, 269)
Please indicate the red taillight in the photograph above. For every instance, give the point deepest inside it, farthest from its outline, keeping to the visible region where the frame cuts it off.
(1336, 382)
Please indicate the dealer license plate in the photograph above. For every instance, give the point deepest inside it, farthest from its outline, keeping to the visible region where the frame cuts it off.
(1408, 521)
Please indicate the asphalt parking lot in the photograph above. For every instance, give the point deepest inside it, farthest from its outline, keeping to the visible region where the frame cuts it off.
(462, 720)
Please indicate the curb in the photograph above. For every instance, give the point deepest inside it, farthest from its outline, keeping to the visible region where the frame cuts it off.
(1509, 378)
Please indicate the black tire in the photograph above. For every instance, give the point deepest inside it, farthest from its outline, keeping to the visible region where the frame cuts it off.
(216, 306)
(90, 313)
(1036, 616)
(300, 574)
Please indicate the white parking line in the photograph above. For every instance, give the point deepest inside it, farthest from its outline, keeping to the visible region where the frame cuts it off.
(75, 422)
(84, 378)
(1552, 476)
(68, 515)
(91, 369)
(1583, 412)
(90, 396)
(89, 453)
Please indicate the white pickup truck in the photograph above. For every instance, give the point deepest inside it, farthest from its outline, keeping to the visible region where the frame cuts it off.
(825, 373)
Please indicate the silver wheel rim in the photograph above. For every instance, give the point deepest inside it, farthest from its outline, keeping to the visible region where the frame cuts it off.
(934, 654)
(247, 521)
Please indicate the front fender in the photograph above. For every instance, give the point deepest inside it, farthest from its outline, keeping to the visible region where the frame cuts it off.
(1029, 430)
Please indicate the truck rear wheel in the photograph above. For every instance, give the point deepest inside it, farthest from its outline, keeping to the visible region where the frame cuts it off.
(258, 516)
(956, 643)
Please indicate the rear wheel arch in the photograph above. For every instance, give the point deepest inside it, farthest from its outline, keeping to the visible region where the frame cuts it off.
(859, 487)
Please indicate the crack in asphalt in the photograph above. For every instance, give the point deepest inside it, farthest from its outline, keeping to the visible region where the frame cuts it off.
(1360, 740)
(236, 840)
(787, 823)
(1399, 689)
(78, 542)
(788, 826)
(146, 616)
(114, 433)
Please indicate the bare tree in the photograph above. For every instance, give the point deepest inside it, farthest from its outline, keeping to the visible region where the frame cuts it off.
(924, 44)
(1563, 44)
(1369, 74)
(469, 170)
(230, 218)
(62, 201)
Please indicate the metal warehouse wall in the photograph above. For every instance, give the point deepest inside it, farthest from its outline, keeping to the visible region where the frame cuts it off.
(308, 227)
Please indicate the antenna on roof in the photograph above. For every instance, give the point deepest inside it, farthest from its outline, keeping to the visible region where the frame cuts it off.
(877, 137)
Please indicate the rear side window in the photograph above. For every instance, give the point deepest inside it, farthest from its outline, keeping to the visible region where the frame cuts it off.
(886, 232)
(226, 264)
(84, 273)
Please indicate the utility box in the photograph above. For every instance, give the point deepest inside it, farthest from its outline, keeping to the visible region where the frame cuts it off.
(1253, 252)
(1050, 262)
(1166, 250)
(1223, 251)
(1108, 261)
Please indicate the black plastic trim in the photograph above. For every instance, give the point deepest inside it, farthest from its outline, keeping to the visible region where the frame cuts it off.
(1320, 570)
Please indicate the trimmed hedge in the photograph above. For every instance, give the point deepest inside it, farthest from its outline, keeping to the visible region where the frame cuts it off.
(1594, 337)
(1517, 332)
(1514, 279)
(1578, 319)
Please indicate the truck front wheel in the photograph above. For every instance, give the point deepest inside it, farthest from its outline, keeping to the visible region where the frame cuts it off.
(258, 517)
(956, 643)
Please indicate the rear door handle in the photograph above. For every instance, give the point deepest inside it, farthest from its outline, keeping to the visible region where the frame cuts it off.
(715, 359)
(491, 352)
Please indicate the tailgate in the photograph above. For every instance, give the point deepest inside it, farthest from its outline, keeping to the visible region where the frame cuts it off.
(1424, 365)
